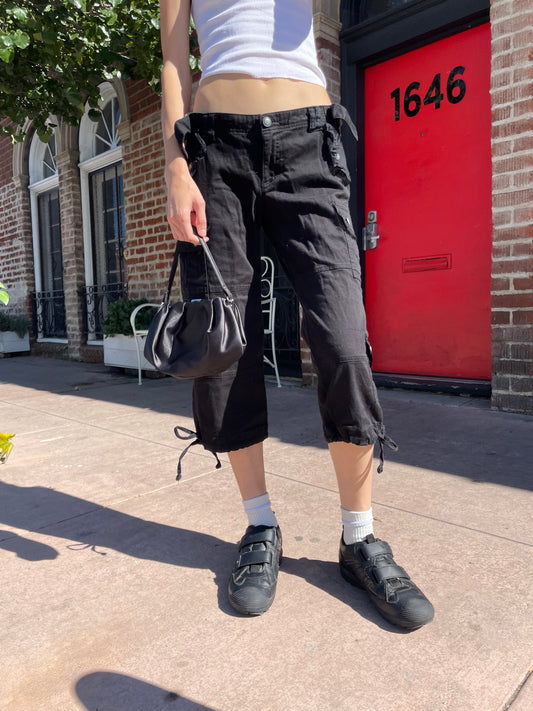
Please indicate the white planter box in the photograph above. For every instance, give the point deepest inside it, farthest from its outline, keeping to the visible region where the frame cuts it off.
(10, 342)
(121, 352)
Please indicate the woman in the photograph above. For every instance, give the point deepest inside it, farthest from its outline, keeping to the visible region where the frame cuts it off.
(262, 149)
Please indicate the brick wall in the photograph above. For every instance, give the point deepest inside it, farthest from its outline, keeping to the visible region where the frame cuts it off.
(512, 162)
(16, 253)
(149, 241)
(72, 244)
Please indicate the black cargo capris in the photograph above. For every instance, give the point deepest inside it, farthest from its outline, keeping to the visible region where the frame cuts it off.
(284, 172)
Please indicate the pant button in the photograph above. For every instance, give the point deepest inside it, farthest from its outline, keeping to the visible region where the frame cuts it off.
(267, 121)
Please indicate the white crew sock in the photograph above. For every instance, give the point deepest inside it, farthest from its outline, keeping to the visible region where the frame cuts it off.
(259, 511)
(356, 525)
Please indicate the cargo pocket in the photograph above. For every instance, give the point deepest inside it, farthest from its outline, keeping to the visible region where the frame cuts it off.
(345, 223)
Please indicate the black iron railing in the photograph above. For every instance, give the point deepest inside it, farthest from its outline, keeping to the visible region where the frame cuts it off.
(95, 300)
(287, 330)
(49, 319)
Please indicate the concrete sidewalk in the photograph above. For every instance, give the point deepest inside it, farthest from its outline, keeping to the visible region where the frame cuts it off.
(113, 575)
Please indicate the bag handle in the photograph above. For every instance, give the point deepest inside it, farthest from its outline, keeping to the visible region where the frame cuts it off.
(207, 253)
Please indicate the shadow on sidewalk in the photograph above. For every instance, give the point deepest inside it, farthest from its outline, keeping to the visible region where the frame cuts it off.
(109, 690)
(478, 444)
(90, 526)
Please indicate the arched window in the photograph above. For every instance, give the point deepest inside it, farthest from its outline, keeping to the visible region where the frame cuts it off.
(49, 297)
(102, 194)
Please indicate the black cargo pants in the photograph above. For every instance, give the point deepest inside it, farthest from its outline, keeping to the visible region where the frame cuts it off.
(284, 172)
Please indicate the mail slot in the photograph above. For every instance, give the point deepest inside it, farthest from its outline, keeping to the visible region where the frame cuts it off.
(426, 264)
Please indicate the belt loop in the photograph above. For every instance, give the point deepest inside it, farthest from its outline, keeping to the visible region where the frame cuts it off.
(314, 120)
(337, 112)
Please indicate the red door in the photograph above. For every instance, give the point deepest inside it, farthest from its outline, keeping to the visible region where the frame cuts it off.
(428, 178)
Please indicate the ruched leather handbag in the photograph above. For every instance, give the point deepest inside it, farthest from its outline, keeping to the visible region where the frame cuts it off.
(197, 338)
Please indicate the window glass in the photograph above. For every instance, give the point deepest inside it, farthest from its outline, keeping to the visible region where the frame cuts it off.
(108, 222)
(107, 137)
(49, 164)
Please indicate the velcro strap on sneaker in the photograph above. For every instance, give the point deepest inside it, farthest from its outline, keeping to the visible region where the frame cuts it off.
(371, 550)
(254, 558)
(388, 572)
(266, 536)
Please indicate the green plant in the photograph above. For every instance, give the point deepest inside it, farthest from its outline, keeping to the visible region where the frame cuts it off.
(55, 53)
(117, 321)
(18, 324)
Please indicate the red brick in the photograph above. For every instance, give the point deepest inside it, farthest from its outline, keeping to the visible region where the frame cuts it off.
(522, 385)
(501, 182)
(501, 249)
(524, 215)
(512, 334)
(523, 179)
(523, 107)
(513, 403)
(522, 73)
(511, 233)
(501, 79)
(502, 217)
(500, 44)
(512, 301)
(522, 249)
(515, 367)
(500, 284)
(501, 382)
(513, 266)
(523, 317)
(506, 165)
(523, 39)
(506, 26)
(514, 197)
(521, 351)
(523, 283)
(500, 317)
(501, 148)
(511, 128)
(522, 7)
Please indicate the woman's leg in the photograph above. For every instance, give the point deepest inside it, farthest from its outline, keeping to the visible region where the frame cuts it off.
(249, 469)
(353, 467)
(253, 579)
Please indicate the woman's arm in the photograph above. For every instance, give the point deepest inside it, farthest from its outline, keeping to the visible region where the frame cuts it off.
(185, 204)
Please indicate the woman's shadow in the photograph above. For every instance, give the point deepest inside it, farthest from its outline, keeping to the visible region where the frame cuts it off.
(53, 513)
(117, 692)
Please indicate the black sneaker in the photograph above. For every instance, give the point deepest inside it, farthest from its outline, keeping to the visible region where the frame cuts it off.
(370, 565)
(252, 583)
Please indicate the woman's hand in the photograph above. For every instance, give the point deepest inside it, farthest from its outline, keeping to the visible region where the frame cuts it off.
(185, 204)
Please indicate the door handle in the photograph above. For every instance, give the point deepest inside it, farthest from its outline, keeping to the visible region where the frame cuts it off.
(371, 231)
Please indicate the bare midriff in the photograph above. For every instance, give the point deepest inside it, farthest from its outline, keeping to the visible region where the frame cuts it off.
(243, 94)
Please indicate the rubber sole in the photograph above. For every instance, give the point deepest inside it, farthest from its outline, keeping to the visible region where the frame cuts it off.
(394, 619)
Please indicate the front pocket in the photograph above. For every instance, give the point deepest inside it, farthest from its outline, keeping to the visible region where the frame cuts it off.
(345, 223)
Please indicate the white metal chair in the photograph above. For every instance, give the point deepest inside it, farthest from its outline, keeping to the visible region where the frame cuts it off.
(268, 306)
(139, 335)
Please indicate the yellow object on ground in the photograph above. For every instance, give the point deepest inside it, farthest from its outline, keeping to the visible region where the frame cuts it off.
(5, 446)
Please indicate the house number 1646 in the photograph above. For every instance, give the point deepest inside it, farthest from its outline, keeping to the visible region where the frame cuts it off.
(412, 100)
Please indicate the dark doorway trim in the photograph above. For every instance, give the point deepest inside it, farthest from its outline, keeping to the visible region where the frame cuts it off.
(450, 386)
(376, 40)
(409, 26)
(384, 37)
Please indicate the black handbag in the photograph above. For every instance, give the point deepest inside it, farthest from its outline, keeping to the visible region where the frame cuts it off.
(195, 338)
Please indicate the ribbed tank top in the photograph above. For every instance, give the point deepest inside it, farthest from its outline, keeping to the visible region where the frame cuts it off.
(262, 38)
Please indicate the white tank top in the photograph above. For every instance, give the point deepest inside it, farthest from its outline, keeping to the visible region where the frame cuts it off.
(262, 38)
